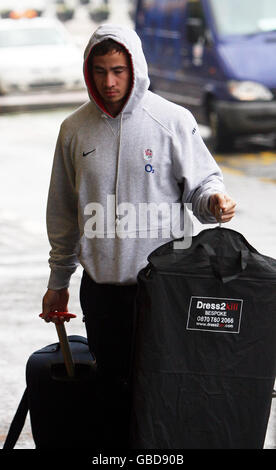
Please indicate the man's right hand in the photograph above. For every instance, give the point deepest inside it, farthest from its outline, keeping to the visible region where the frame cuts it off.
(55, 301)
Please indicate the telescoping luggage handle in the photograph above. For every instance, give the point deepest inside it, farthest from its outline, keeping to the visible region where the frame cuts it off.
(63, 340)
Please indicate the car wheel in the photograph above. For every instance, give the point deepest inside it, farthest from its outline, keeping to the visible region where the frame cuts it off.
(221, 139)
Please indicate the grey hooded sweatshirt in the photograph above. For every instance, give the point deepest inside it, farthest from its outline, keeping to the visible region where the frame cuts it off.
(116, 179)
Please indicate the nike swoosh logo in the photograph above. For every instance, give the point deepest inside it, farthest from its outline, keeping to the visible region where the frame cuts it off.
(84, 154)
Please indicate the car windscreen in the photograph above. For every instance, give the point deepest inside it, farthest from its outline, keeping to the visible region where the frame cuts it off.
(30, 37)
(240, 17)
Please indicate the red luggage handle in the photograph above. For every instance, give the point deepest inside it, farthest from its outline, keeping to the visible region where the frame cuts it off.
(63, 340)
(65, 315)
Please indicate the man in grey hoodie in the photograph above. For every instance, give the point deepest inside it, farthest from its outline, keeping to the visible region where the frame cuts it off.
(123, 151)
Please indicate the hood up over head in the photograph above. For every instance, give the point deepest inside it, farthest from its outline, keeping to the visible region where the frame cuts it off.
(132, 43)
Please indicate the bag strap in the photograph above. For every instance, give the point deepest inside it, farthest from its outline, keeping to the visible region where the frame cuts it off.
(238, 267)
(17, 423)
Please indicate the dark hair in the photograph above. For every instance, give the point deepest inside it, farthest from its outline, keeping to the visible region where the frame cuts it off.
(106, 46)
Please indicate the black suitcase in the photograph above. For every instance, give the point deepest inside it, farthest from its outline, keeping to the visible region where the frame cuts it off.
(70, 405)
(205, 358)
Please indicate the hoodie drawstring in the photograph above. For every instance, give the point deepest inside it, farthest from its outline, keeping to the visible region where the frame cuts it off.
(117, 169)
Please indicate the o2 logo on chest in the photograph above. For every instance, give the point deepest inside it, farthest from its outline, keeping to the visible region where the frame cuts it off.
(148, 156)
(149, 168)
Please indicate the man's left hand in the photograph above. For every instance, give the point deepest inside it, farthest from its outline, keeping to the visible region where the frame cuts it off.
(222, 207)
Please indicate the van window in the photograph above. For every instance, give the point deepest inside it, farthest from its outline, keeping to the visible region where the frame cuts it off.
(195, 20)
(238, 17)
(194, 8)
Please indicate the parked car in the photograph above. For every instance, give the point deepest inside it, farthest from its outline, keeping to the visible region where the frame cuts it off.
(38, 54)
(216, 58)
(21, 8)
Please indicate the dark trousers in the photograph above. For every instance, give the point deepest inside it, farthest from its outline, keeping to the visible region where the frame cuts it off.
(109, 319)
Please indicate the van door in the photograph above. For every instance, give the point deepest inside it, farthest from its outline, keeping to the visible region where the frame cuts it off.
(175, 41)
(194, 66)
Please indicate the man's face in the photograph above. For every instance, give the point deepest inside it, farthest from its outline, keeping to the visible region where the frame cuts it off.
(112, 78)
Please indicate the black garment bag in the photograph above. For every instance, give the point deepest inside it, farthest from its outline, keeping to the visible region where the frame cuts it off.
(205, 356)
